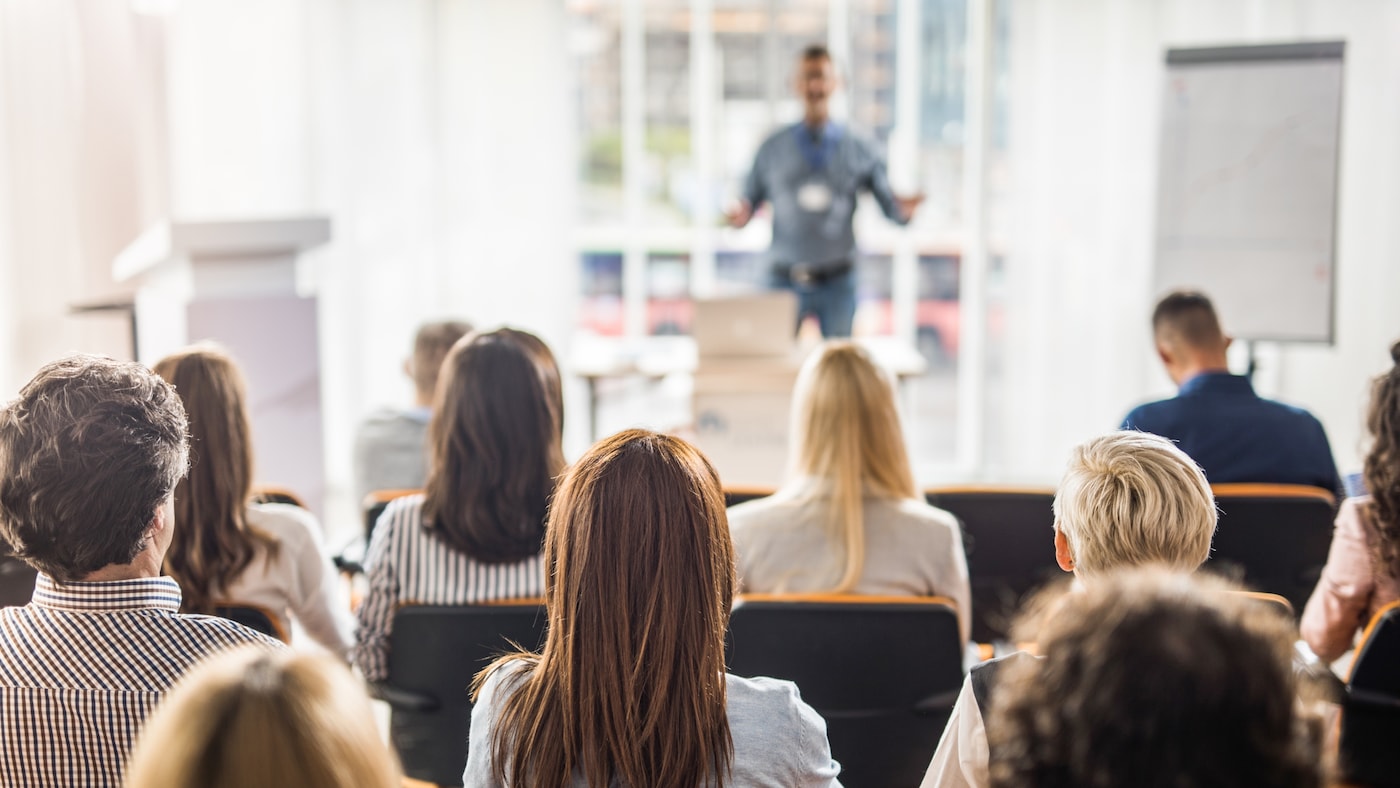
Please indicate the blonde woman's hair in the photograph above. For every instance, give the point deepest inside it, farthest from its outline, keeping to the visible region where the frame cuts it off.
(846, 439)
(259, 717)
(1130, 498)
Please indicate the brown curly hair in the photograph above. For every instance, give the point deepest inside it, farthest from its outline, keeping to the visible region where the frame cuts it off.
(1382, 468)
(1155, 680)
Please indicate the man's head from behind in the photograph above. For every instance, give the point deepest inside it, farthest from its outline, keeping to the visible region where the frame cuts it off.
(1129, 499)
(1155, 679)
(430, 346)
(1187, 333)
(89, 452)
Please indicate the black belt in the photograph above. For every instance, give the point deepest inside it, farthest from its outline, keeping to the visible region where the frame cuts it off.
(800, 274)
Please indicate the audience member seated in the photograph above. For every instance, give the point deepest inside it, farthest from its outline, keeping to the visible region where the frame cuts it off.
(1155, 680)
(1234, 434)
(1127, 499)
(850, 519)
(1362, 574)
(90, 453)
(476, 532)
(391, 451)
(268, 719)
(228, 551)
(630, 687)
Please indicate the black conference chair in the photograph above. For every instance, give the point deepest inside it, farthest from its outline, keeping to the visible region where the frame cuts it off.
(1273, 537)
(1370, 722)
(253, 617)
(883, 672)
(273, 494)
(1008, 535)
(350, 560)
(16, 582)
(434, 652)
(737, 495)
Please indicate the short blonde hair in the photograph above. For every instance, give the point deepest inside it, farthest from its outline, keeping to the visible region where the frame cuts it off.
(259, 717)
(1129, 499)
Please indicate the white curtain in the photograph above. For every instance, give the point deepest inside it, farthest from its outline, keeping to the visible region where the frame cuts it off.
(437, 134)
(82, 170)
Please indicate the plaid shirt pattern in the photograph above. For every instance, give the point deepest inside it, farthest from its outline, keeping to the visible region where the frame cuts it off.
(83, 664)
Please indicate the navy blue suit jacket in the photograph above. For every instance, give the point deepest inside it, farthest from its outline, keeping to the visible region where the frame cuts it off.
(1237, 436)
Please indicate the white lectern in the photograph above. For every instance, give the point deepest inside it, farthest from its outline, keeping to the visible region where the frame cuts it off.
(234, 282)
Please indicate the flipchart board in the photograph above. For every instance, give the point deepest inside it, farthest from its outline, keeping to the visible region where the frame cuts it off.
(1247, 185)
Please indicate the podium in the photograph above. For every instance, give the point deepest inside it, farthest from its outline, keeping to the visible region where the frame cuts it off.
(235, 282)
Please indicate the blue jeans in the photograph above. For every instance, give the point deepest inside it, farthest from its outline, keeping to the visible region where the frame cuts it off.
(831, 301)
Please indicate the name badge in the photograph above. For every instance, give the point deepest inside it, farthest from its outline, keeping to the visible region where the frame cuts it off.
(814, 197)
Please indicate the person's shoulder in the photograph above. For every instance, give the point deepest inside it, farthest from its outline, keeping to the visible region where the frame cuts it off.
(284, 521)
(751, 511)
(1152, 414)
(504, 678)
(216, 634)
(1295, 413)
(386, 422)
(759, 699)
(920, 513)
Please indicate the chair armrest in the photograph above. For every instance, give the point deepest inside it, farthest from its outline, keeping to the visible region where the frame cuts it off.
(402, 699)
(347, 566)
(1373, 700)
(943, 701)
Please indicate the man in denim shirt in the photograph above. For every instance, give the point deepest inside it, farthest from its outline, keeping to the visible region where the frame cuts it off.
(811, 174)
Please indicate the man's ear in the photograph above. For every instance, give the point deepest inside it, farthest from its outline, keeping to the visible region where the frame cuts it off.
(1165, 354)
(162, 519)
(1228, 340)
(408, 367)
(1063, 556)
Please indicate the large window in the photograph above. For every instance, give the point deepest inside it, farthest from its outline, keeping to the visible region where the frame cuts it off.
(674, 97)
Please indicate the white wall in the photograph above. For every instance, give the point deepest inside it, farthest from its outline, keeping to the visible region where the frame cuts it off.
(1084, 134)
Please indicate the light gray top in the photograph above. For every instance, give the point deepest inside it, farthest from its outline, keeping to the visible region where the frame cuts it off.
(779, 741)
(840, 164)
(783, 545)
(391, 451)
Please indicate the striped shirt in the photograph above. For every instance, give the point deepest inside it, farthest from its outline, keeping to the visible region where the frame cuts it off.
(83, 664)
(408, 565)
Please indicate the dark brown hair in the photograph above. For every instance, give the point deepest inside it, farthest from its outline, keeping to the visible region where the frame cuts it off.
(495, 446)
(1382, 467)
(815, 52)
(430, 346)
(1156, 680)
(630, 686)
(89, 451)
(1188, 317)
(214, 542)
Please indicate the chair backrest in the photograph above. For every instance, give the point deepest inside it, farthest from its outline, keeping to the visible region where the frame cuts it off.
(275, 494)
(882, 671)
(16, 581)
(434, 652)
(258, 619)
(738, 495)
(1273, 537)
(374, 504)
(1273, 602)
(1367, 754)
(1008, 534)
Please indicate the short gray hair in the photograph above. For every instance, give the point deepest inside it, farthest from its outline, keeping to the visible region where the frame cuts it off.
(1129, 499)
